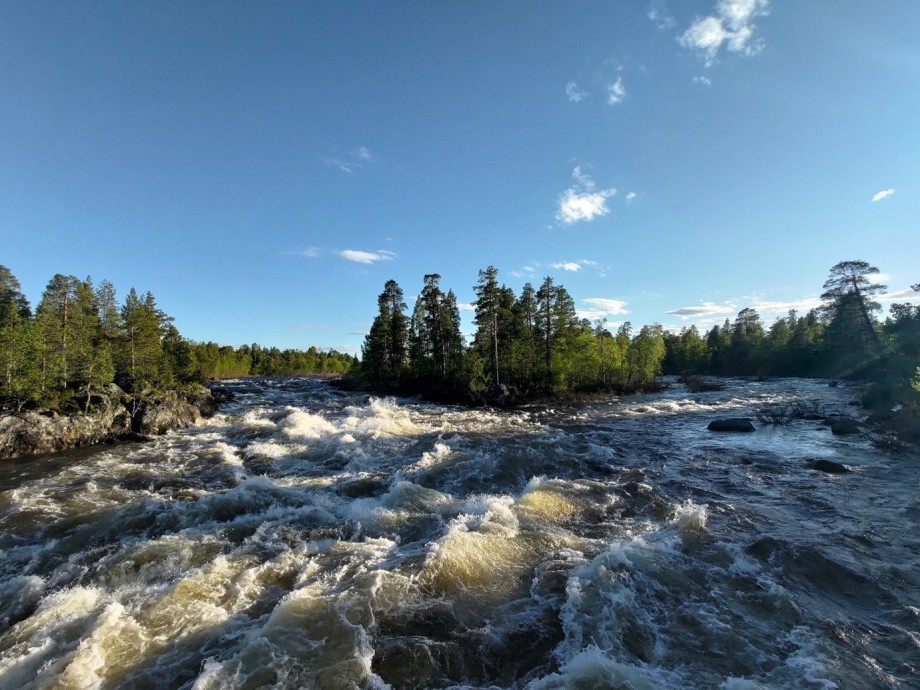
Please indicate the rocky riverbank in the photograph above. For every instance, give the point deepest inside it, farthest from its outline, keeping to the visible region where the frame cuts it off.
(119, 417)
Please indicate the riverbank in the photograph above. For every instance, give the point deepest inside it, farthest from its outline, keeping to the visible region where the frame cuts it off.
(118, 417)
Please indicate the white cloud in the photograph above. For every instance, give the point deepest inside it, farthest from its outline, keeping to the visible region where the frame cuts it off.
(583, 178)
(884, 194)
(805, 304)
(703, 79)
(585, 203)
(630, 197)
(567, 266)
(352, 161)
(616, 92)
(878, 277)
(705, 309)
(341, 165)
(731, 26)
(466, 306)
(659, 16)
(575, 94)
(907, 294)
(576, 206)
(362, 257)
(312, 252)
(608, 306)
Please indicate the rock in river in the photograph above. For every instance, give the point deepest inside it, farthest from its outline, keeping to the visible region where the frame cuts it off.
(731, 424)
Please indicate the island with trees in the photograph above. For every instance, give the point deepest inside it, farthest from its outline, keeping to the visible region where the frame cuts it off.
(533, 345)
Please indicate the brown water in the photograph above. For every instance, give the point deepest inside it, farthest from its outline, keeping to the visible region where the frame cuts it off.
(310, 538)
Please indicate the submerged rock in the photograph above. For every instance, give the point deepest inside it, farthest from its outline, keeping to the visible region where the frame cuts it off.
(731, 424)
(829, 466)
(842, 426)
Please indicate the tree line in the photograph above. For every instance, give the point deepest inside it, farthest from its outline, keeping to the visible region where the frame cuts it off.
(80, 340)
(529, 344)
(534, 343)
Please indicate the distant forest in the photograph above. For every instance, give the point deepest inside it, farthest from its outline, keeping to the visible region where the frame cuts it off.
(534, 344)
(80, 340)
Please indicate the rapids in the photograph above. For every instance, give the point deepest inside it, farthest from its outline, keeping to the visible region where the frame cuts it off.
(307, 537)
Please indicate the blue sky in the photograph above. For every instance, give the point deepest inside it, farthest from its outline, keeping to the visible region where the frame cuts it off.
(264, 168)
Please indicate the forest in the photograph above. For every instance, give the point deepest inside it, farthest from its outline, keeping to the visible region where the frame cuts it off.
(534, 344)
(79, 341)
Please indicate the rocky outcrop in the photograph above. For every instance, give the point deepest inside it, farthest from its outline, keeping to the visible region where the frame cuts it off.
(120, 418)
(731, 424)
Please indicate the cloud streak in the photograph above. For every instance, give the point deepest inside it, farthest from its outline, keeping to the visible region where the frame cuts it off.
(704, 309)
(607, 305)
(567, 266)
(884, 194)
(363, 257)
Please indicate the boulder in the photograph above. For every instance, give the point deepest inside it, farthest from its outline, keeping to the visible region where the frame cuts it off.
(731, 424)
(842, 426)
(829, 466)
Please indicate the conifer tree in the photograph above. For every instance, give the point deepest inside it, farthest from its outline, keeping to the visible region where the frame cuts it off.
(851, 333)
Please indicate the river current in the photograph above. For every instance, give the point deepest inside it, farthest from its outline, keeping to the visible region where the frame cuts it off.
(311, 538)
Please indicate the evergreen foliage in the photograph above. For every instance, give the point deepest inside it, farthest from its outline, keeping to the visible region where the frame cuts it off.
(534, 343)
(80, 341)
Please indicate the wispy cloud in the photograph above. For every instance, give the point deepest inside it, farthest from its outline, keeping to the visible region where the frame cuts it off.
(607, 305)
(704, 309)
(659, 16)
(574, 94)
(583, 202)
(466, 306)
(616, 92)
(352, 161)
(341, 165)
(567, 266)
(732, 26)
(703, 79)
(783, 306)
(907, 294)
(312, 252)
(884, 194)
(630, 197)
(363, 257)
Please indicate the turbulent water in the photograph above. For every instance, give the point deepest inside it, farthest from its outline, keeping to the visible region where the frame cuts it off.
(311, 538)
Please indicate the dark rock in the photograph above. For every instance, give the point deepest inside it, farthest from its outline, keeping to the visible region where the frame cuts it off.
(119, 418)
(222, 395)
(830, 466)
(813, 417)
(842, 426)
(731, 424)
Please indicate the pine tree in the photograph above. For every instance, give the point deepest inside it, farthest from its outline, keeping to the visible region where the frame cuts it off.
(851, 334)
(486, 318)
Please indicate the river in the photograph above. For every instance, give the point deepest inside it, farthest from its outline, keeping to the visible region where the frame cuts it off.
(306, 537)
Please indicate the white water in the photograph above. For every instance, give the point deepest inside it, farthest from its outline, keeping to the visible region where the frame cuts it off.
(308, 538)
